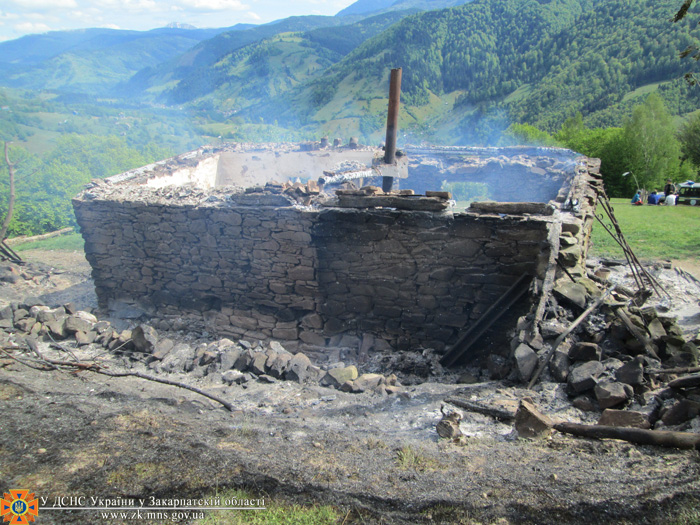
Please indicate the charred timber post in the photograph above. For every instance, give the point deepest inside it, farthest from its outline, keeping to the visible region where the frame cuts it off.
(392, 124)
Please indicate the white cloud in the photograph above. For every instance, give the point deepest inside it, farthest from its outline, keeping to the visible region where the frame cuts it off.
(253, 16)
(29, 27)
(128, 5)
(214, 5)
(45, 4)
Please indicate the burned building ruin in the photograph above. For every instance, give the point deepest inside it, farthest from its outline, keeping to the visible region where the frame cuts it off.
(263, 242)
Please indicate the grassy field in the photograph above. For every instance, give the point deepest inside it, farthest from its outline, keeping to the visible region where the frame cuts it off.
(71, 242)
(276, 513)
(653, 232)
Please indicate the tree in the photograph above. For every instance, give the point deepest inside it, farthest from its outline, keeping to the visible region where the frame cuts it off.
(654, 151)
(689, 136)
(692, 51)
(11, 201)
(607, 144)
(525, 134)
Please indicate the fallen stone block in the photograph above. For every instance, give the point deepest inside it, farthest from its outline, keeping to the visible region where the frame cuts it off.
(229, 357)
(258, 365)
(584, 403)
(6, 313)
(298, 368)
(367, 382)
(56, 329)
(559, 366)
(525, 361)
(631, 373)
(685, 356)
(610, 394)
(337, 376)
(277, 366)
(74, 324)
(585, 352)
(34, 311)
(162, 348)
(208, 357)
(691, 381)
(571, 293)
(87, 316)
(177, 359)
(585, 377)
(656, 330)
(19, 314)
(623, 418)
(348, 386)
(26, 324)
(101, 326)
(85, 338)
(145, 338)
(681, 411)
(244, 360)
(530, 423)
(231, 376)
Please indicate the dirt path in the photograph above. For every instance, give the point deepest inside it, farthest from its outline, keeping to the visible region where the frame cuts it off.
(66, 278)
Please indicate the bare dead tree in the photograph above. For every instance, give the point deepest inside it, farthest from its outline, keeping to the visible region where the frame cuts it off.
(11, 203)
(692, 51)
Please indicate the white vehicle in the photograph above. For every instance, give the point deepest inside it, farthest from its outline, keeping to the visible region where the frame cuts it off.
(689, 193)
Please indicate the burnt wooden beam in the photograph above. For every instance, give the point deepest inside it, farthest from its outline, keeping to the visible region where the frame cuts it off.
(400, 202)
(488, 318)
(660, 438)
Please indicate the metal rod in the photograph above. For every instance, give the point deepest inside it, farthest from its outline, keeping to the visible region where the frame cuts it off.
(392, 120)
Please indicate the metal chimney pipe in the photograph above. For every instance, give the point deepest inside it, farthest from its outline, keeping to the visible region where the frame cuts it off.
(392, 120)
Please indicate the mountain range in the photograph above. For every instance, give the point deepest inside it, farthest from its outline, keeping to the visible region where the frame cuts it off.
(469, 67)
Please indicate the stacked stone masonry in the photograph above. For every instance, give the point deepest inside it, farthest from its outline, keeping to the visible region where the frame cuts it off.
(260, 266)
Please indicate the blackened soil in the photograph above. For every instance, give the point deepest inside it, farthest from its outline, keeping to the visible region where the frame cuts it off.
(377, 458)
(65, 434)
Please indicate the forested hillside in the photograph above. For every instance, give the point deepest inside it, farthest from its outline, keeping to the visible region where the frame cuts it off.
(196, 62)
(534, 62)
(265, 69)
(598, 63)
(45, 186)
(603, 77)
(91, 61)
(364, 7)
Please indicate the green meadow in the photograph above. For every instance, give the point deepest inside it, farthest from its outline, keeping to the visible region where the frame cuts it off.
(653, 232)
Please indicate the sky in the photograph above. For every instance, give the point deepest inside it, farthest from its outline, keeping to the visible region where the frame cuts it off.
(23, 17)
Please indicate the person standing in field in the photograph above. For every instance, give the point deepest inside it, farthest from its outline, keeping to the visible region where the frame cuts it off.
(669, 188)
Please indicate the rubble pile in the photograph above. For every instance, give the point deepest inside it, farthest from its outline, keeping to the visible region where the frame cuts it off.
(624, 360)
(223, 360)
(11, 273)
(303, 193)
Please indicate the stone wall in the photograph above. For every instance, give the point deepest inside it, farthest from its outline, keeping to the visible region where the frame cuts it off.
(271, 264)
(262, 268)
